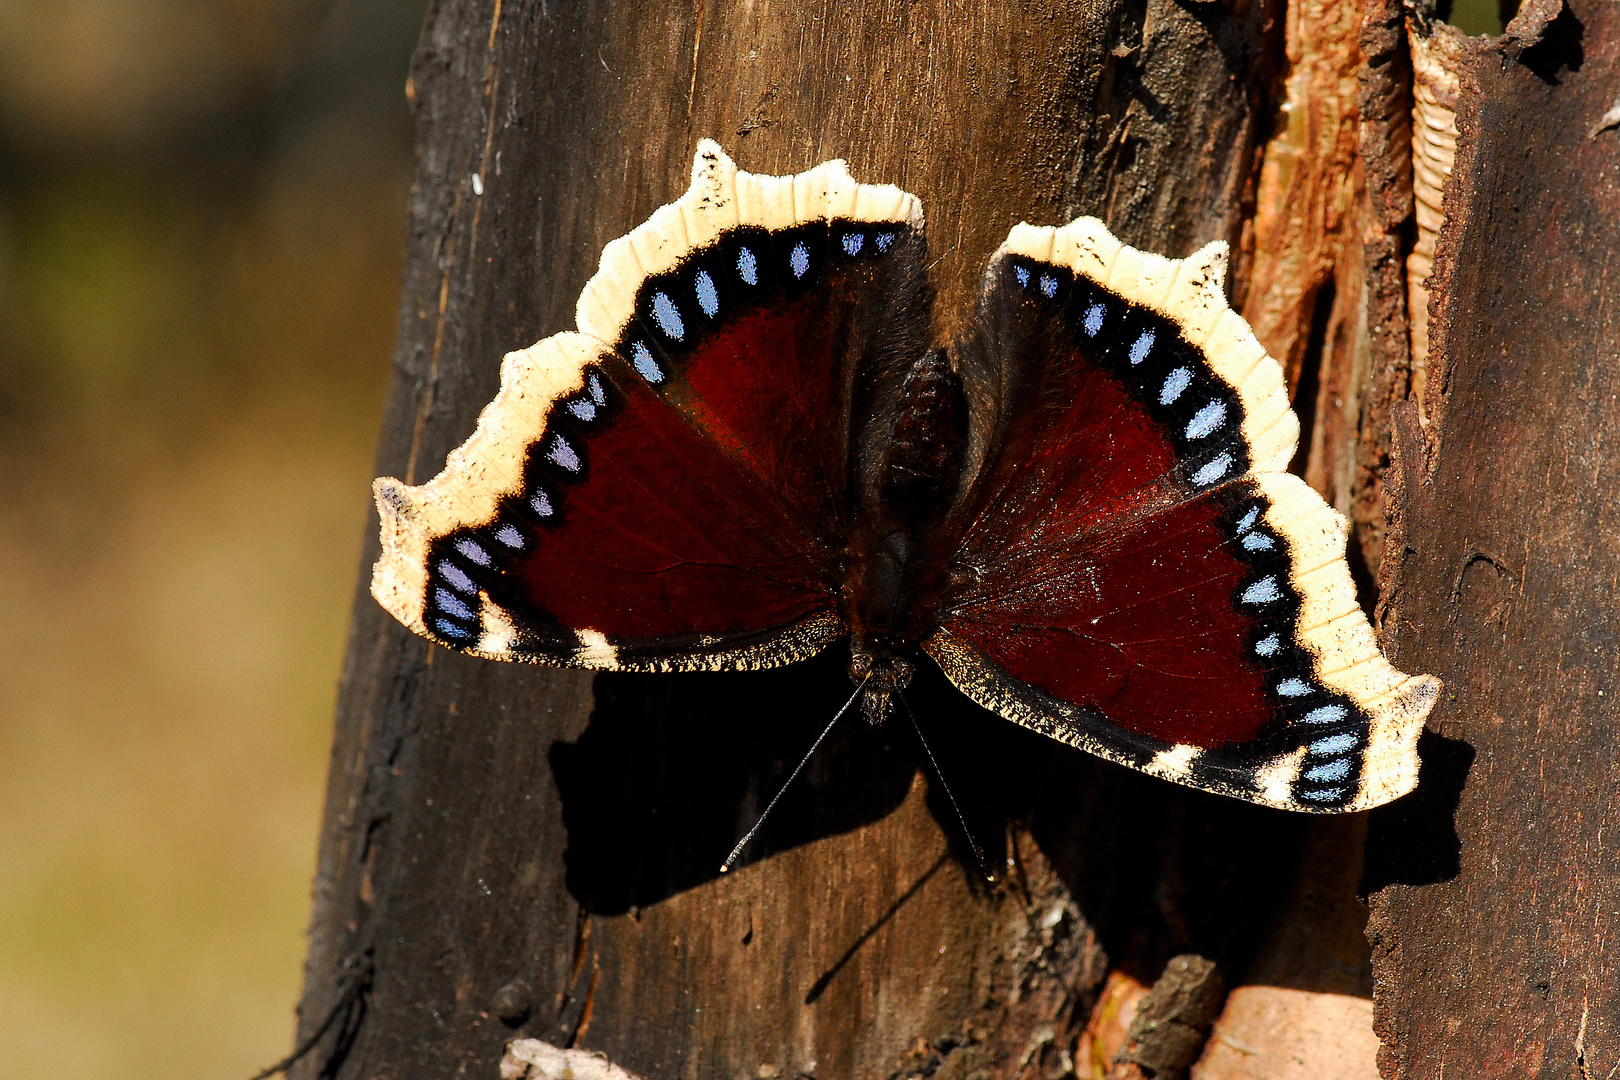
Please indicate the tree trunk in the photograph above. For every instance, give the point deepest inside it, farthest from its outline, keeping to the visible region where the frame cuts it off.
(1495, 894)
(523, 852)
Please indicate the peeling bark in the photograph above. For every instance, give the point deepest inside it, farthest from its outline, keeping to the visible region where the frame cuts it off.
(1493, 888)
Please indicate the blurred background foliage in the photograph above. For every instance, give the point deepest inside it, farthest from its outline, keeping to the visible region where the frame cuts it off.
(202, 219)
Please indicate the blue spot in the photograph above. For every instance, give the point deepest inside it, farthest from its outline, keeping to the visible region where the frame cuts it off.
(668, 316)
(1094, 318)
(1258, 541)
(541, 503)
(1263, 591)
(583, 408)
(450, 629)
(457, 577)
(707, 298)
(1206, 420)
(885, 241)
(1329, 770)
(1268, 646)
(853, 242)
(1293, 688)
(1328, 795)
(646, 366)
(799, 260)
(1327, 714)
(1023, 276)
(563, 454)
(471, 549)
(1139, 351)
(451, 603)
(593, 383)
(1174, 383)
(1248, 520)
(1213, 471)
(1048, 285)
(748, 267)
(509, 536)
(1333, 744)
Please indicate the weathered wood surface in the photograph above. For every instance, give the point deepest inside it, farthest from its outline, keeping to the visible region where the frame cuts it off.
(521, 851)
(1495, 889)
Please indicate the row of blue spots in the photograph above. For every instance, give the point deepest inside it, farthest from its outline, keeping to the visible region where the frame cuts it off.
(1209, 418)
(584, 406)
(666, 314)
(1327, 760)
(458, 607)
(1049, 286)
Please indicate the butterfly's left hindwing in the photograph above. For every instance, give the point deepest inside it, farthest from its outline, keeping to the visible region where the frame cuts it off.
(667, 489)
(1132, 572)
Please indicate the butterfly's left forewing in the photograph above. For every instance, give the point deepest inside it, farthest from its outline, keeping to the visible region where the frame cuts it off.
(1133, 573)
(668, 487)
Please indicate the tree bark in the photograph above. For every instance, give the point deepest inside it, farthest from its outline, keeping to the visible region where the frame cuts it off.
(541, 845)
(513, 851)
(1494, 892)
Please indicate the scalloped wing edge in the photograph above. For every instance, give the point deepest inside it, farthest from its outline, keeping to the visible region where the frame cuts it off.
(1389, 759)
(724, 197)
(1189, 293)
(1332, 627)
(489, 465)
(1344, 651)
(477, 475)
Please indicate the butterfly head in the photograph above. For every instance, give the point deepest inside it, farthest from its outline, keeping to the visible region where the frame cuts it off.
(881, 677)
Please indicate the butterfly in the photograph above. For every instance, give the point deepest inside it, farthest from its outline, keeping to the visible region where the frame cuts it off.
(750, 449)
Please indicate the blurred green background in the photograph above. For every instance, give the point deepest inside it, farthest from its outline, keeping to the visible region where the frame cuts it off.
(202, 220)
(201, 228)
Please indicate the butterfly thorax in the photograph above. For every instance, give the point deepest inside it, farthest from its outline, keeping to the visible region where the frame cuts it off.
(889, 598)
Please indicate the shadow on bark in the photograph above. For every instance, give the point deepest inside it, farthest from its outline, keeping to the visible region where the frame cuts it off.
(673, 769)
(1413, 841)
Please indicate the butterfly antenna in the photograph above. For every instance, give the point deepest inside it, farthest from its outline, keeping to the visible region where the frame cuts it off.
(738, 850)
(978, 852)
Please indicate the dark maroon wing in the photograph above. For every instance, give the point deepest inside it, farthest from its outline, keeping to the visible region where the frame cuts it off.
(1132, 572)
(669, 488)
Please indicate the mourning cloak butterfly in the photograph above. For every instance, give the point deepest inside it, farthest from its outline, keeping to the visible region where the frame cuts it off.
(1079, 512)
